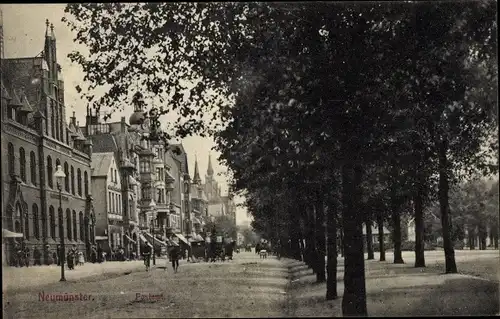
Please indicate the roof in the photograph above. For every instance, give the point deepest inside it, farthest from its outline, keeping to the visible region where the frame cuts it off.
(22, 73)
(100, 163)
(181, 157)
(103, 143)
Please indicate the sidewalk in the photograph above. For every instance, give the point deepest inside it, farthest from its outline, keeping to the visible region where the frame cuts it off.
(398, 290)
(35, 276)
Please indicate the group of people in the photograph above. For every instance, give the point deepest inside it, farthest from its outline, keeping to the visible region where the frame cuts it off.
(21, 256)
(174, 253)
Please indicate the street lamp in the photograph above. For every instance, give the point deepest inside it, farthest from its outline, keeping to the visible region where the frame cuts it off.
(152, 205)
(60, 176)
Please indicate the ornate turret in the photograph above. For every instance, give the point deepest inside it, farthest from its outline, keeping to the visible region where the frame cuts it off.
(196, 178)
(210, 170)
(138, 117)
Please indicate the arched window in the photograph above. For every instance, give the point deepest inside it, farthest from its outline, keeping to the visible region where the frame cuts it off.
(86, 182)
(79, 181)
(52, 221)
(75, 229)
(66, 179)
(58, 163)
(36, 229)
(68, 224)
(57, 117)
(11, 159)
(72, 180)
(33, 168)
(60, 221)
(52, 119)
(22, 164)
(26, 226)
(44, 224)
(50, 176)
(82, 226)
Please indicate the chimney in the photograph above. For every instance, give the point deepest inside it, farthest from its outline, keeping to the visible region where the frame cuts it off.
(73, 119)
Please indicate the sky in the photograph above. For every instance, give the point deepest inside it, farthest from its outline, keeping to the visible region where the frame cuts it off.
(24, 32)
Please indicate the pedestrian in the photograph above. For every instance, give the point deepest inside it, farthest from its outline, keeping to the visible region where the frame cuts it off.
(26, 255)
(99, 254)
(81, 259)
(37, 260)
(175, 254)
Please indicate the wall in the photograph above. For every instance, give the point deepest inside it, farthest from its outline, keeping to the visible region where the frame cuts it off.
(100, 204)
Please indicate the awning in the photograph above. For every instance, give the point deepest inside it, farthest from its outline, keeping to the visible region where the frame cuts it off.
(130, 239)
(196, 238)
(101, 237)
(156, 240)
(181, 237)
(9, 234)
(196, 221)
(141, 236)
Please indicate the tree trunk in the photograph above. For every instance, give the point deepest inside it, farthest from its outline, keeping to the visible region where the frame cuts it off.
(470, 240)
(449, 252)
(381, 235)
(311, 242)
(294, 232)
(495, 241)
(369, 239)
(331, 283)
(419, 224)
(354, 299)
(341, 242)
(320, 239)
(396, 219)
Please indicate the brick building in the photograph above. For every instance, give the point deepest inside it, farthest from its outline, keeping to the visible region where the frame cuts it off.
(35, 140)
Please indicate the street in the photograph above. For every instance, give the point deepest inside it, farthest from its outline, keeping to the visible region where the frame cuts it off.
(252, 287)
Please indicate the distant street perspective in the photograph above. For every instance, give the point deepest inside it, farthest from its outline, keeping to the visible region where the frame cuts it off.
(254, 159)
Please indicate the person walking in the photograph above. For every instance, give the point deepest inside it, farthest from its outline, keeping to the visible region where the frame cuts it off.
(146, 255)
(175, 254)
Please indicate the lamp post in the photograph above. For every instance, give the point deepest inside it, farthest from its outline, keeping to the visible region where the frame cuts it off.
(152, 205)
(59, 175)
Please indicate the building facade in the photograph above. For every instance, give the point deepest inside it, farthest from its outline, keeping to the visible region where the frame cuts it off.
(36, 140)
(108, 201)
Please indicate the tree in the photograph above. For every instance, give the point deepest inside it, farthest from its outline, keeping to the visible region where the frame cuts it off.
(223, 225)
(313, 92)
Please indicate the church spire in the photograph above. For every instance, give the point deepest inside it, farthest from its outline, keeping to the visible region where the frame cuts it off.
(210, 170)
(196, 178)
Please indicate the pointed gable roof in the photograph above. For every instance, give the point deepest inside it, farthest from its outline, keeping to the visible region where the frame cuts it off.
(100, 164)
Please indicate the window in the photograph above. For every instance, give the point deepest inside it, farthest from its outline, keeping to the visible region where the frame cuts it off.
(60, 220)
(33, 168)
(66, 179)
(82, 226)
(86, 182)
(22, 164)
(52, 218)
(72, 180)
(11, 159)
(44, 224)
(116, 177)
(50, 176)
(68, 224)
(79, 180)
(52, 119)
(109, 203)
(36, 229)
(75, 229)
(26, 226)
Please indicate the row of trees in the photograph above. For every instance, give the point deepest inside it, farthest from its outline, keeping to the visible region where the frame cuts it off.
(334, 115)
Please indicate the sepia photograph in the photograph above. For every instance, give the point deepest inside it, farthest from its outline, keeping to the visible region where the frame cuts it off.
(249, 159)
